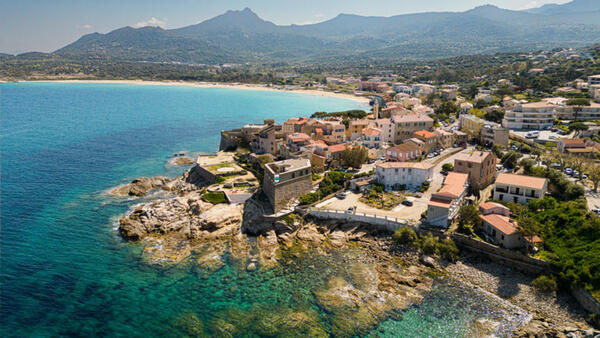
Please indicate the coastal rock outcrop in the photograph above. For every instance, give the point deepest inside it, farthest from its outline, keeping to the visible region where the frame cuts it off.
(140, 186)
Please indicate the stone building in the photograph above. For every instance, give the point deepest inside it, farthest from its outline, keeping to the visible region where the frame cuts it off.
(285, 181)
(480, 165)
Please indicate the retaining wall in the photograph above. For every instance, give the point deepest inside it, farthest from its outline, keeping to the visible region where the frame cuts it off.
(504, 256)
(586, 300)
(382, 223)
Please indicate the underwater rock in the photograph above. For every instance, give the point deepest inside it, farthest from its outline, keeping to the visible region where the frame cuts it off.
(269, 250)
(182, 160)
(190, 324)
(211, 256)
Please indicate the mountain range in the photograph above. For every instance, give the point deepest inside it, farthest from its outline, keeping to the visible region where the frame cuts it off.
(242, 36)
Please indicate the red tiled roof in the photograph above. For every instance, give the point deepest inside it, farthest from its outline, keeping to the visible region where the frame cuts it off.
(425, 134)
(492, 205)
(521, 180)
(298, 137)
(454, 185)
(414, 165)
(501, 223)
(371, 131)
(337, 148)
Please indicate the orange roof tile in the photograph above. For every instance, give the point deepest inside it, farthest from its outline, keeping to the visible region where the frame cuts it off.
(501, 223)
(425, 134)
(492, 205)
(413, 165)
(521, 180)
(454, 185)
(337, 148)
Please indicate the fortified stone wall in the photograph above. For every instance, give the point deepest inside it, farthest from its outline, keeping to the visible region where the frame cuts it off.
(283, 193)
(586, 300)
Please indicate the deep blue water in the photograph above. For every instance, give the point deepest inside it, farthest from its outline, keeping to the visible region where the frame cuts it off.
(64, 269)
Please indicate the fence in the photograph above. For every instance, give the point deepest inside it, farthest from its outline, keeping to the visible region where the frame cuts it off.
(383, 223)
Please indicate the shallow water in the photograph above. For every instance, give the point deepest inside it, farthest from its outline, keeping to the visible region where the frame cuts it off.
(64, 269)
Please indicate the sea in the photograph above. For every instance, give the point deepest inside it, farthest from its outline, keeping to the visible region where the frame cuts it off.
(66, 272)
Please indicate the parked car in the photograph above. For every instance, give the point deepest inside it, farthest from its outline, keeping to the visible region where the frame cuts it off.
(596, 211)
(568, 171)
(430, 155)
(351, 210)
(514, 147)
(407, 203)
(584, 176)
(341, 195)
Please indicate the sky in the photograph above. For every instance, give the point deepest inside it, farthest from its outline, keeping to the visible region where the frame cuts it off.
(46, 25)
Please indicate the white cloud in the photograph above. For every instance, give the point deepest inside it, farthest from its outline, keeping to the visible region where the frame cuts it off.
(86, 26)
(532, 4)
(319, 15)
(154, 22)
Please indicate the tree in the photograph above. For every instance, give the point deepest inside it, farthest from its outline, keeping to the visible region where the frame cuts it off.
(594, 176)
(527, 227)
(510, 159)
(577, 126)
(498, 150)
(527, 164)
(446, 108)
(354, 156)
(495, 115)
(468, 219)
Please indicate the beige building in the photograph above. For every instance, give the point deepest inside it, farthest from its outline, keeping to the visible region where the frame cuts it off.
(445, 139)
(480, 165)
(285, 181)
(408, 123)
(493, 133)
(355, 129)
(331, 132)
(429, 139)
(530, 116)
(394, 175)
(444, 204)
(519, 188)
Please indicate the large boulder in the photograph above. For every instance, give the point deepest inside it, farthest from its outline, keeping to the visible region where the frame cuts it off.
(140, 186)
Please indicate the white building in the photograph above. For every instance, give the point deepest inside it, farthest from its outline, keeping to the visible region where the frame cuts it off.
(593, 80)
(444, 204)
(393, 175)
(530, 116)
(519, 188)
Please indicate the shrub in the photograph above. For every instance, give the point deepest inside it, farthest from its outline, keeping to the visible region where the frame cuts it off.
(429, 244)
(406, 236)
(424, 186)
(448, 249)
(448, 167)
(309, 198)
(219, 179)
(545, 283)
(214, 197)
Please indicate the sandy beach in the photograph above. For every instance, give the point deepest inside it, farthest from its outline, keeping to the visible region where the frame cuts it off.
(364, 100)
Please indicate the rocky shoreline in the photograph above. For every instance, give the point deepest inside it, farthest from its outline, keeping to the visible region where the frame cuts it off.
(185, 226)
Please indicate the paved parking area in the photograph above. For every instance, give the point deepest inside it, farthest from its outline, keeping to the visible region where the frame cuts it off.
(401, 211)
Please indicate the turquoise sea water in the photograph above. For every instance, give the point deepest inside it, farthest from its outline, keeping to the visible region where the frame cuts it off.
(64, 269)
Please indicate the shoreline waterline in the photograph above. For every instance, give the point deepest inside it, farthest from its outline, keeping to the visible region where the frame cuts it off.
(241, 86)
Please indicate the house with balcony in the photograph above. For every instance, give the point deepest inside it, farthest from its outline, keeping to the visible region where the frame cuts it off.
(408, 123)
(406, 151)
(519, 188)
(493, 133)
(530, 116)
(394, 175)
(498, 228)
(371, 138)
(445, 139)
(443, 205)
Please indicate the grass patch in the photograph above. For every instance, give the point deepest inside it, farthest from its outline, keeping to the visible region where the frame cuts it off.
(381, 200)
(214, 197)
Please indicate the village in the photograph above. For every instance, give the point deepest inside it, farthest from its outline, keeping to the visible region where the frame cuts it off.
(400, 162)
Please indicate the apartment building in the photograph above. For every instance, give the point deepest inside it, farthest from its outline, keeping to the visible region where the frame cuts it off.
(330, 131)
(388, 130)
(394, 175)
(591, 112)
(443, 206)
(371, 138)
(480, 165)
(285, 181)
(267, 140)
(355, 129)
(519, 188)
(493, 133)
(408, 123)
(530, 116)
(593, 80)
